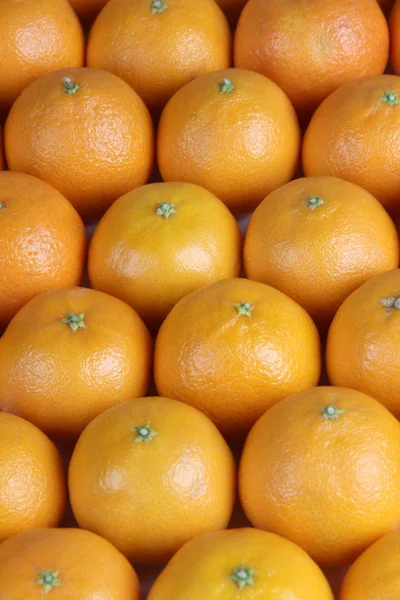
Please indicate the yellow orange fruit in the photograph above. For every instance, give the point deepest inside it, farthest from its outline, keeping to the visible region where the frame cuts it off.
(158, 46)
(64, 563)
(322, 468)
(311, 48)
(37, 37)
(32, 481)
(70, 354)
(160, 242)
(233, 132)
(363, 341)
(353, 135)
(84, 131)
(317, 239)
(375, 574)
(149, 475)
(245, 563)
(234, 348)
(43, 242)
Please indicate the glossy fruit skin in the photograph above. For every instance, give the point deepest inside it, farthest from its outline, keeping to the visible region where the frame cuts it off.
(231, 366)
(375, 574)
(394, 24)
(331, 486)
(240, 145)
(37, 36)
(311, 48)
(43, 242)
(202, 569)
(353, 135)
(32, 481)
(60, 379)
(151, 261)
(87, 10)
(363, 342)
(93, 146)
(88, 567)
(151, 497)
(319, 254)
(157, 54)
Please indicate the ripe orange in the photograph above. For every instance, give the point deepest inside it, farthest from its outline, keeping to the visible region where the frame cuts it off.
(32, 482)
(149, 475)
(158, 46)
(233, 132)
(317, 239)
(322, 468)
(43, 241)
(87, 10)
(353, 135)
(234, 348)
(37, 36)
(240, 563)
(394, 23)
(375, 574)
(363, 341)
(311, 48)
(160, 242)
(64, 563)
(70, 354)
(84, 131)
(232, 9)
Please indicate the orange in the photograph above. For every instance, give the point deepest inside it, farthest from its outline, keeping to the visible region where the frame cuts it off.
(37, 36)
(2, 159)
(87, 10)
(317, 239)
(375, 574)
(394, 23)
(32, 481)
(232, 9)
(84, 131)
(70, 354)
(160, 242)
(322, 468)
(234, 348)
(64, 563)
(158, 46)
(353, 135)
(233, 132)
(149, 475)
(240, 563)
(43, 242)
(363, 341)
(311, 48)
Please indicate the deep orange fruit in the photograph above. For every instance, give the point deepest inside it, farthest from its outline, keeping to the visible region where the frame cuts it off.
(70, 354)
(233, 132)
(322, 468)
(65, 563)
(43, 242)
(158, 46)
(317, 239)
(32, 481)
(149, 475)
(84, 131)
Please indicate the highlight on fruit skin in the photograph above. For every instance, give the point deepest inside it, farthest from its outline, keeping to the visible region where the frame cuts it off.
(240, 561)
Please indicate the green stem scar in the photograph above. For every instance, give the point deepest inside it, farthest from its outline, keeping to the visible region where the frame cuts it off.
(49, 580)
(226, 86)
(331, 412)
(69, 86)
(390, 98)
(164, 209)
(392, 302)
(158, 7)
(244, 309)
(313, 202)
(2, 205)
(74, 321)
(144, 433)
(242, 577)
